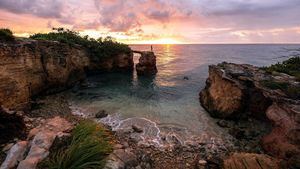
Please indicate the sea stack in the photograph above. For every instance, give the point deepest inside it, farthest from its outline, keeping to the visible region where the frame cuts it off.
(147, 64)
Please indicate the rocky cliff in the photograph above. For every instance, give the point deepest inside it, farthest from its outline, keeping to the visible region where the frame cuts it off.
(236, 91)
(29, 67)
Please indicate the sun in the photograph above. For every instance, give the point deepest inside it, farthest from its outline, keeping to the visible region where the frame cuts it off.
(167, 41)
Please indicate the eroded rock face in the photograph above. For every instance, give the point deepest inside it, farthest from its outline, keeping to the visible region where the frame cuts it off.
(29, 67)
(147, 64)
(238, 91)
(122, 63)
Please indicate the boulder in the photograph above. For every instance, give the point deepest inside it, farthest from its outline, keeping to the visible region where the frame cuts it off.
(15, 155)
(101, 114)
(43, 140)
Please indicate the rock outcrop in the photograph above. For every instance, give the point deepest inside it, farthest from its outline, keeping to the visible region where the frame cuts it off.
(27, 154)
(239, 91)
(29, 67)
(147, 64)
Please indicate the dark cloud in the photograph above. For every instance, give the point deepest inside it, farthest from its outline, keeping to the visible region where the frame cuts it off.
(159, 15)
(40, 8)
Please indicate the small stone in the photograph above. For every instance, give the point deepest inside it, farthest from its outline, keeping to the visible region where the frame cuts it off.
(223, 123)
(101, 114)
(202, 162)
(137, 129)
(186, 78)
(118, 146)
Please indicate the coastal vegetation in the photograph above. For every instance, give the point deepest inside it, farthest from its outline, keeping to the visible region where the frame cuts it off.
(101, 47)
(88, 147)
(6, 35)
(290, 67)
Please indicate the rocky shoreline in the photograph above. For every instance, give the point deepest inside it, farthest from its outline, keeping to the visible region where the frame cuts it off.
(263, 121)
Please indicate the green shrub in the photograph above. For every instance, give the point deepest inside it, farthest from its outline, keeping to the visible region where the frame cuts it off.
(288, 89)
(89, 146)
(6, 35)
(290, 66)
(99, 48)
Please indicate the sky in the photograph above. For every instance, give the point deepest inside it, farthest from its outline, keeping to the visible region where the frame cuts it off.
(159, 21)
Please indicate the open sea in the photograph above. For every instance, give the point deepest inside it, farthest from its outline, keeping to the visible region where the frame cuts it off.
(167, 105)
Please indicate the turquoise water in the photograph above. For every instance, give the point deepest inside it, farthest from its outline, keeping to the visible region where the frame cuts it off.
(167, 105)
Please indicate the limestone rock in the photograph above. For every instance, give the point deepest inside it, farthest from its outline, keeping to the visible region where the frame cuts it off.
(250, 161)
(29, 67)
(235, 91)
(43, 140)
(15, 155)
(147, 64)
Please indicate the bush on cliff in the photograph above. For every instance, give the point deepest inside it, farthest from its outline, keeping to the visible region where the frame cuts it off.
(88, 147)
(290, 67)
(6, 35)
(99, 48)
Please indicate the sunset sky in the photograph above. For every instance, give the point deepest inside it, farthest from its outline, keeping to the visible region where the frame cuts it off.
(160, 21)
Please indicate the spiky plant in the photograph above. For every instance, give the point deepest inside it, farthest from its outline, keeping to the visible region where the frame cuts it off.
(89, 146)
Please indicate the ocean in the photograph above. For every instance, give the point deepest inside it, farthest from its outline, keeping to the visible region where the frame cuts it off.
(167, 106)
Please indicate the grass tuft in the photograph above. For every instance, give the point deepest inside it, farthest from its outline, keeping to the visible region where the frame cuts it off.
(89, 145)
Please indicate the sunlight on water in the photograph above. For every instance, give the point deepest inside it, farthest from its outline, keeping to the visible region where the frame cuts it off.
(167, 106)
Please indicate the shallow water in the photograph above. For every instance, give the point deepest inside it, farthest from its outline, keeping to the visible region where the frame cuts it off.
(167, 106)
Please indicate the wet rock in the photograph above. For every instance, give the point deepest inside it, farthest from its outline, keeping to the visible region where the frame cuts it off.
(101, 114)
(250, 161)
(15, 155)
(137, 129)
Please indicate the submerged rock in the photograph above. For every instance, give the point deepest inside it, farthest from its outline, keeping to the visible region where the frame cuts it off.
(238, 92)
